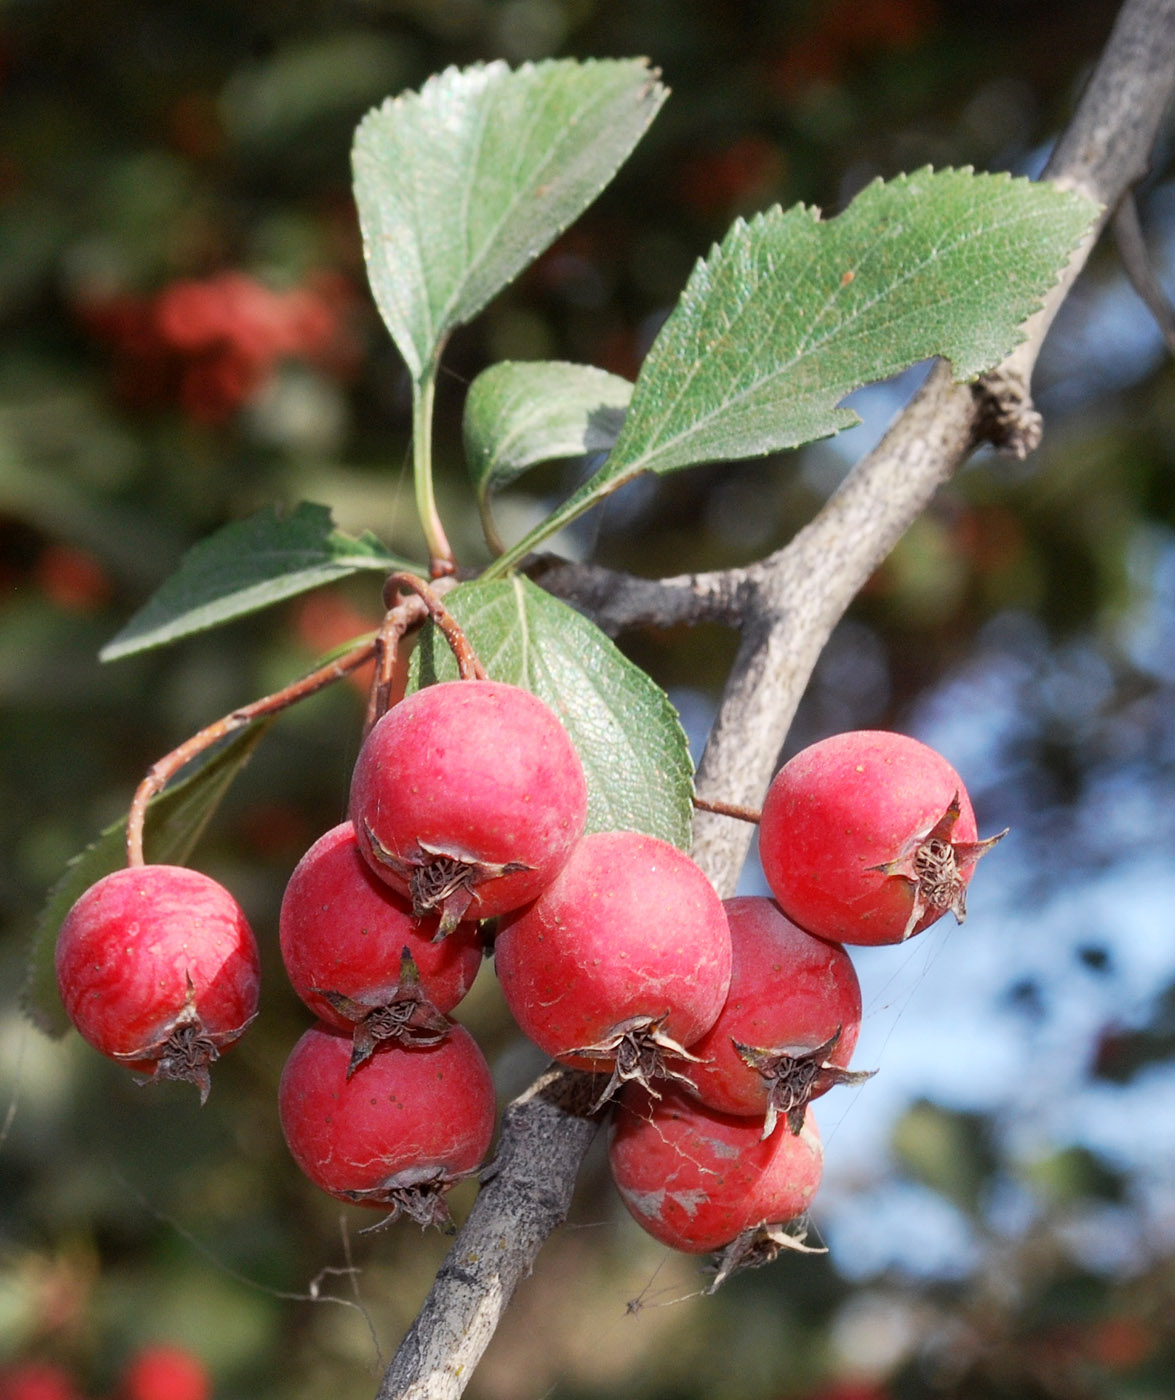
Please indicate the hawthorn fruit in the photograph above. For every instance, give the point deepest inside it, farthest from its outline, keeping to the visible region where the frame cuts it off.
(158, 969)
(622, 962)
(468, 797)
(869, 837)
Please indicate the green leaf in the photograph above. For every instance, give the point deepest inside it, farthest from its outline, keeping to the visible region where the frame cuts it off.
(247, 566)
(462, 185)
(174, 823)
(628, 735)
(519, 414)
(791, 313)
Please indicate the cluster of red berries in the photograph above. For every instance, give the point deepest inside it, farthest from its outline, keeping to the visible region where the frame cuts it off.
(158, 1371)
(865, 838)
(711, 1023)
(210, 344)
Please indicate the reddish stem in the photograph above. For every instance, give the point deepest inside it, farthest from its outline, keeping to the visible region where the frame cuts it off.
(727, 809)
(170, 764)
(386, 685)
(468, 666)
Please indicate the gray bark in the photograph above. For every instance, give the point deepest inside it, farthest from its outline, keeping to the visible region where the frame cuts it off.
(786, 606)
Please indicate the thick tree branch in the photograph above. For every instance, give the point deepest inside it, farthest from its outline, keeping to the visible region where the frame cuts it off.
(799, 594)
(789, 605)
(545, 1133)
(618, 602)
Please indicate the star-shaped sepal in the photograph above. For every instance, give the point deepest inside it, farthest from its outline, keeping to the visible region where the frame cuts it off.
(405, 1014)
(186, 1049)
(417, 1193)
(639, 1051)
(761, 1244)
(439, 879)
(796, 1074)
(937, 868)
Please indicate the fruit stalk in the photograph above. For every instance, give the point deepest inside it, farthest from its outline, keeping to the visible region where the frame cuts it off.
(165, 768)
(468, 666)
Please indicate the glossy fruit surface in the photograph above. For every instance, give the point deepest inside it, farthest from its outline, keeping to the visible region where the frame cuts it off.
(468, 796)
(790, 1021)
(696, 1179)
(158, 969)
(631, 931)
(343, 934)
(399, 1131)
(868, 837)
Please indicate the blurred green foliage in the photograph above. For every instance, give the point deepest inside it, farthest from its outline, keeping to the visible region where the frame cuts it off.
(149, 146)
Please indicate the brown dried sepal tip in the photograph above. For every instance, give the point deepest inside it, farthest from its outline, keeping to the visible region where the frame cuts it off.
(405, 1014)
(417, 1193)
(761, 1244)
(937, 868)
(440, 880)
(186, 1051)
(639, 1051)
(796, 1075)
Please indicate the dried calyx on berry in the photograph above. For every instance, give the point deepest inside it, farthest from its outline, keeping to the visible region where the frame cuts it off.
(396, 1133)
(794, 1075)
(621, 963)
(937, 866)
(868, 837)
(759, 1245)
(158, 969)
(404, 1013)
(358, 957)
(789, 1025)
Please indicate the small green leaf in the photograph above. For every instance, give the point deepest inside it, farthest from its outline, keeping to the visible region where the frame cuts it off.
(791, 313)
(520, 414)
(174, 823)
(462, 185)
(247, 566)
(628, 735)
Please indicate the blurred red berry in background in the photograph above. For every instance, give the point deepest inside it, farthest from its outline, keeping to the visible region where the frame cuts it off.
(164, 1371)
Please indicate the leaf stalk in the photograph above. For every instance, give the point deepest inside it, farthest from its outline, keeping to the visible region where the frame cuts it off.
(440, 553)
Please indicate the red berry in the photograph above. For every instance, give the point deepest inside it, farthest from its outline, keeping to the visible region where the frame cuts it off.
(165, 1372)
(359, 959)
(623, 960)
(37, 1380)
(869, 837)
(397, 1133)
(468, 797)
(789, 1024)
(696, 1179)
(158, 969)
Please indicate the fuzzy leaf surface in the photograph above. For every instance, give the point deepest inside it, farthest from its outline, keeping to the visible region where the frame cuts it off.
(519, 414)
(463, 184)
(174, 823)
(628, 735)
(790, 313)
(246, 566)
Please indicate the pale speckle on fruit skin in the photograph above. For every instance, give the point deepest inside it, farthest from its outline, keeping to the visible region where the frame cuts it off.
(690, 1201)
(650, 1203)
